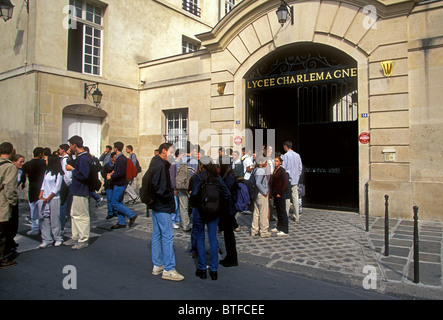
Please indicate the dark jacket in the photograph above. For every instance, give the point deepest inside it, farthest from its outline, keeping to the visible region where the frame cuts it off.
(119, 176)
(231, 184)
(107, 168)
(80, 175)
(161, 186)
(279, 182)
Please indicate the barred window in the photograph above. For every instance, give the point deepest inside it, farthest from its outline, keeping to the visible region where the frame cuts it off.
(176, 127)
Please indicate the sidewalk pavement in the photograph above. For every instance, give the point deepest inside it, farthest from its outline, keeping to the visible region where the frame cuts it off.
(326, 245)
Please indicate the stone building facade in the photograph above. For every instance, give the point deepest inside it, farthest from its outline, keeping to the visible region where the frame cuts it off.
(354, 84)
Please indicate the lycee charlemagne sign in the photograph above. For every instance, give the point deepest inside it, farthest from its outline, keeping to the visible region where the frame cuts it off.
(301, 78)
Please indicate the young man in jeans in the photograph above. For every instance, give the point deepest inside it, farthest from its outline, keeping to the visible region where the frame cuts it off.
(163, 256)
(118, 180)
(80, 219)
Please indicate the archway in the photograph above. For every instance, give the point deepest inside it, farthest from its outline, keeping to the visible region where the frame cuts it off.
(308, 93)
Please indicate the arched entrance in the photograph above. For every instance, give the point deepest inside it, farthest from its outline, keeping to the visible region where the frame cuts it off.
(307, 92)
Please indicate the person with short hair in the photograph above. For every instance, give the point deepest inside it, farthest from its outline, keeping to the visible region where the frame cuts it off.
(80, 219)
(8, 197)
(157, 176)
(293, 166)
(34, 170)
(119, 183)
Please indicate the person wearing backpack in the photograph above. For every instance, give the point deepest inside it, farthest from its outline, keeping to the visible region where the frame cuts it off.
(260, 222)
(186, 167)
(207, 194)
(119, 183)
(80, 219)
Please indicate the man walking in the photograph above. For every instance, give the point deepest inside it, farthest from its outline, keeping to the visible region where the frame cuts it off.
(80, 219)
(293, 166)
(8, 197)
(157, 179)
(119, 182)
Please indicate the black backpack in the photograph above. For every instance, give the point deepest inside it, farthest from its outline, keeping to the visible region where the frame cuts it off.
(146, 190)
(94, 183)
(209, 199)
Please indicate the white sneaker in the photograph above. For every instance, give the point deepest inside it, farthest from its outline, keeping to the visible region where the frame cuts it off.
(157, 270)
(274, 230)
(45, 245)
(172, 275)
(175, 226)
(58, 243)
(281, 234)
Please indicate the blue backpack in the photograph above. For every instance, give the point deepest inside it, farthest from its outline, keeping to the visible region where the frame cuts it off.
(243, 200)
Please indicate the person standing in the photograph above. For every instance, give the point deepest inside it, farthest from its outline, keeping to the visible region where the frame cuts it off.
(204, 218)
(11, 246)
(293, 166)
(49, 203)
(227, 216)
(260, 221)
(65, 192)
(106, 155)
(8, 197)
(119, 183)
(278, 192)
(158, 180)
(109, 168)
(35, 171)
(130, 188)
(80, 219)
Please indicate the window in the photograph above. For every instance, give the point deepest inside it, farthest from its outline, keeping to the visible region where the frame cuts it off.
(191, 6)
(176, 126)
(229, 5)
(85, 40)
(189, 45)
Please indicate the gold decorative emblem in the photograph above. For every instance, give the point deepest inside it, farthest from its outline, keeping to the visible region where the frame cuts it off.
(388, 67)
(221, 88)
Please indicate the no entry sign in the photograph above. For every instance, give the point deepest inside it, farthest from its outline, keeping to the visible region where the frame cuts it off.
(238, 140)
(364, 138)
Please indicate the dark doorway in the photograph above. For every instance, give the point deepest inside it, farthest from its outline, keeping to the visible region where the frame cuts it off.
(308, 94)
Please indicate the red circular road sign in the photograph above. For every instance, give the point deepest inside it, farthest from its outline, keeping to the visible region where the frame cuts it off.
(238, 140)
(364, 138)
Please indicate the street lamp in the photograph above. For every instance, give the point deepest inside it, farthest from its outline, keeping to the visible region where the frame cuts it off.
(6, 9)
(283, 12)
(96, 95)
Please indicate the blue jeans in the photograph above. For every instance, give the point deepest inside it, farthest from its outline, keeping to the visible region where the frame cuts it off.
(176, 216)
(162, 241)
(111, 210)
(213, 243)
(117, 203)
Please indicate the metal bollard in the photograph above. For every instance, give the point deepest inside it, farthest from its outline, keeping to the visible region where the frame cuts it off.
(386, 226)
(416, 248)
(367, 206)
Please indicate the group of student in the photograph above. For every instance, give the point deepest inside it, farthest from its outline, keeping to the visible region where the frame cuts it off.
(186, 188)
(208, 194)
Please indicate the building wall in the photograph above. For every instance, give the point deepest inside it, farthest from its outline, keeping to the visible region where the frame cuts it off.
(33, 70)
(405, 112)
